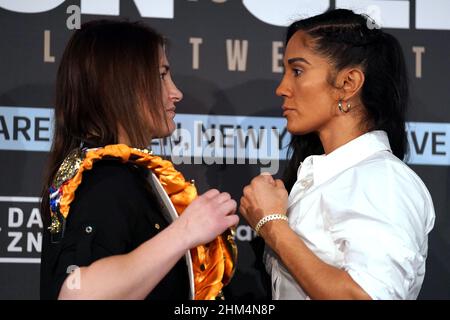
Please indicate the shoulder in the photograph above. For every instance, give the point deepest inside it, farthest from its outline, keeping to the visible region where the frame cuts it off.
(386, 172)
(390, 189)
(112, 174)
(111, 189)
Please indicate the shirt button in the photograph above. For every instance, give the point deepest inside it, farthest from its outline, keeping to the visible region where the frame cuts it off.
(305, 183)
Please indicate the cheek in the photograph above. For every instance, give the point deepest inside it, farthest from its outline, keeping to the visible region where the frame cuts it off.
(164, 95)
(315, 93)
(312, 89)
(314, 107)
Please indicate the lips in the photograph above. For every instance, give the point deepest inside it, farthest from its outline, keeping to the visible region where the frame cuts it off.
(170, 112)
(287, 110)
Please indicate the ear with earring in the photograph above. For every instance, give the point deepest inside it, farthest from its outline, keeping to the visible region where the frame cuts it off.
(342, 108)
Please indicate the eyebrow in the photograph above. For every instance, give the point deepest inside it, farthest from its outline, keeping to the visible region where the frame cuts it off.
(166, 66)
(292, 60)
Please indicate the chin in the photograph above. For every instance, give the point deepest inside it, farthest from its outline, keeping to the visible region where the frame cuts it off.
(167, 131)
(298, 130)
(294, 128)
(301, 126)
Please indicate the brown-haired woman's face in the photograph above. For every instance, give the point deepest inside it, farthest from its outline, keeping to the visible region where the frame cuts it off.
(309, 100)
(170, 96)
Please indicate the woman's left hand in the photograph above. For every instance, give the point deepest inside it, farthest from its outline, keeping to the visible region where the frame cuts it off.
(263, 196)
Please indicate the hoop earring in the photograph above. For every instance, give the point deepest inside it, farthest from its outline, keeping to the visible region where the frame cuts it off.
(347, 106)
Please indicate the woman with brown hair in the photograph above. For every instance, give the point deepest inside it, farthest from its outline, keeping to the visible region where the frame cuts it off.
(356, 220)
(106, 235)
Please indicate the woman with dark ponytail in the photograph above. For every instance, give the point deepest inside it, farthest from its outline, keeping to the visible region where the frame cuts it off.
(355, 223)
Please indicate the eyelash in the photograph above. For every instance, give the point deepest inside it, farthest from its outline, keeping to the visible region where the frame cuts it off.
(162, 75)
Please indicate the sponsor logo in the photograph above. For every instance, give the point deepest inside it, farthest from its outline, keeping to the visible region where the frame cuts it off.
(388, 14)
(20, 230)
(203, 139)
(206, 139)
(146, 8)
(27, 129)
(429, 143)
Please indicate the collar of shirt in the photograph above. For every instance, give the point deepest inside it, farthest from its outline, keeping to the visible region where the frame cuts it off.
(317, 169)
(326, 167)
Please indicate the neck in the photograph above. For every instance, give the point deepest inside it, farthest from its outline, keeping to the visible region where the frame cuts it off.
(339, 133)
(122, 136)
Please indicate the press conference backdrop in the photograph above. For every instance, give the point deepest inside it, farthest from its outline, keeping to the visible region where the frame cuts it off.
(226, 58)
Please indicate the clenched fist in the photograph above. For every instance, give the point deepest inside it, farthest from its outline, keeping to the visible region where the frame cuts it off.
(262, 197)
(208, 216)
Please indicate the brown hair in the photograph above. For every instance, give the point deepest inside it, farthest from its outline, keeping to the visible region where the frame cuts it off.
(108, 78)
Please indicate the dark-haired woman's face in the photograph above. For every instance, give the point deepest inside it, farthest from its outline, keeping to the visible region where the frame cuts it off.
(170, 95)
(309, 100)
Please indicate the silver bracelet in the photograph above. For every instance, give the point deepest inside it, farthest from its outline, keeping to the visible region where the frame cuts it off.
(270, 217)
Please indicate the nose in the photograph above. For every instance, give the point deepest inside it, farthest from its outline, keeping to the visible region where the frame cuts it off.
(175, 94)
(283, 90)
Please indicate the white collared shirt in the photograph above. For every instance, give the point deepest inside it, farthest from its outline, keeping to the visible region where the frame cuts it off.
(363, 210)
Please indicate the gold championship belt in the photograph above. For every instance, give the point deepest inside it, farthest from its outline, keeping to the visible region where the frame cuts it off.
(210, 266)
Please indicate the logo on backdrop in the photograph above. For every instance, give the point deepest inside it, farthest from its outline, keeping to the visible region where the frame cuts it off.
(20, 230)
(146, 8)
(205, 139)
(388, 14)
(28, 129)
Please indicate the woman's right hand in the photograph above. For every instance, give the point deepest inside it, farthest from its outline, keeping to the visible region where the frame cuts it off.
(208, 216)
